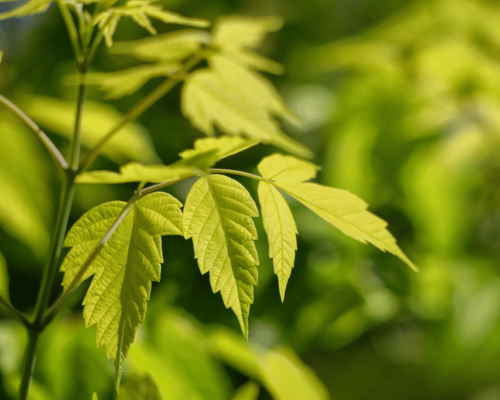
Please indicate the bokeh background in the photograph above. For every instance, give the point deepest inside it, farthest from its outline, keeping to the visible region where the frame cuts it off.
(401, 101)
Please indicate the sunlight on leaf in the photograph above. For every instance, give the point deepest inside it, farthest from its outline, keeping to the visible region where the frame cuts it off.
(281, 168)
(124, 269)
(225, 146)
(218, 217)
(249, 391)
(59, 116)
(137, 387)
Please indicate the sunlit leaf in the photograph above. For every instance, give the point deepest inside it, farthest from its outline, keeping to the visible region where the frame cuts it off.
(249, 391)
(281, 232)
(169, 48)
(125, 82)
(137, 387)
(124, 269)
(218, 217)
(141, 11)
(346, 212)
(24, 172)
(225, 146)
(31, 7)
(208, 99)
(59, 116)
(280, 168)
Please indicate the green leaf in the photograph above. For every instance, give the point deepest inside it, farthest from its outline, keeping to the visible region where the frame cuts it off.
(249, 391)
(125, 82)
(94, 396)
(124, 269)
(278, 167)
(137, 387)
(346, 212)
(209, 98)
(31, 7)
(135, 172)
(170, 47)
(59, 117)
(218, 217)
(140, 11)
(207, 152)
(4, 278)
(24, 168)
(281, 231)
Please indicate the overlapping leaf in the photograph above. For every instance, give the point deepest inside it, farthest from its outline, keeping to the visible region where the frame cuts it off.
(207, 152)
(218, 217)
(141, 11)
(342, 209)
(124, 269)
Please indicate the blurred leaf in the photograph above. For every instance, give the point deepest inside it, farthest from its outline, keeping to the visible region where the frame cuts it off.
(140, 11)
(4, 278)
(137, 387)
(347, 212)
(26, 199)
(249, 391)
(170, 47)
(124, 269)
(131, 143)
(94, 396)
(218, 217)
(31, 7)
(125, 82)
(281, 232)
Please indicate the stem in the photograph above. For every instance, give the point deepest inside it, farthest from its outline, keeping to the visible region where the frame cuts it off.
(15, 312)
(53, 150)
(234, 172)
(135, 111)
(73, 33)
(29, 365)
(75, 146)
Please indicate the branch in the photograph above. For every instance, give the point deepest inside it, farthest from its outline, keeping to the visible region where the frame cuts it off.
(16, 313)
(73, 34)
(53, 150)
(135, 111)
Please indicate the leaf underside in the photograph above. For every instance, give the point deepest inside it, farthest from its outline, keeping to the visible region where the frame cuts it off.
(218, 217)
(124, 269)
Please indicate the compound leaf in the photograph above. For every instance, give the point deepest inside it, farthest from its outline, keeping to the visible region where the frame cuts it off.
(281, 231)
(218, 217)
(125, 267)
(346, 212)
(278, 167)
(224, 145)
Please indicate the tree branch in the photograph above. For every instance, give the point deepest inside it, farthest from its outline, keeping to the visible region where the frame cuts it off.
(53, 150)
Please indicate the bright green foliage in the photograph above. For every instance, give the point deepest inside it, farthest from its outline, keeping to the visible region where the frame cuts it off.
(249, 391)
(281, 232)
(141, 11)
(137, 387)
(282, 168)
(94, 396)
(125, 82)
(31, 7)
(167, 48)
(4, 278)
(218, 217)
(206, 152)
(346, 212)
(117, 298)
(59, 116)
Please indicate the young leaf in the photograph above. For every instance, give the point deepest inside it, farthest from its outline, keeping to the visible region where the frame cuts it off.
(278, 167)
(249, 391)
(281, 231)
(124, 269)
(208, 98)
(31, 7)
(346, 212)
(206, 153)
(122, 83)
(137, 387)
(140, 11)
(218, 217)
(170, 47)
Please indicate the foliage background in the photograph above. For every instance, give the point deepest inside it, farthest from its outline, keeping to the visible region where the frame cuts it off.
(401, 101)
